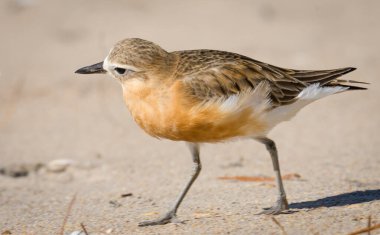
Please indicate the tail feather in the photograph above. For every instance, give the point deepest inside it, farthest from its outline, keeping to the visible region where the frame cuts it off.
(350, 87)
(328, 78)
(311, 76)
(352, 81)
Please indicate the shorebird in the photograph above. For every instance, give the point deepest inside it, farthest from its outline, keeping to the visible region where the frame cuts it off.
(208, 96)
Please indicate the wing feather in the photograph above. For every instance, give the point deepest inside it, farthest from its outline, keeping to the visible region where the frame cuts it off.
(224, 74)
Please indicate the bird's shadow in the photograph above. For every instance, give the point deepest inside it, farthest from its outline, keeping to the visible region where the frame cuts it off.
(339, 200)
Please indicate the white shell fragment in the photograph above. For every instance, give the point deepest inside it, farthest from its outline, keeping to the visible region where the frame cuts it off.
(77, 233)
(59, 165)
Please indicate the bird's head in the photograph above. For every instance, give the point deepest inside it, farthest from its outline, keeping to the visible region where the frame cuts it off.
(132, 57)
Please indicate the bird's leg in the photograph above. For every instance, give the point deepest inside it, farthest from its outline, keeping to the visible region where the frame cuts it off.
(170, 216)
(282, 203)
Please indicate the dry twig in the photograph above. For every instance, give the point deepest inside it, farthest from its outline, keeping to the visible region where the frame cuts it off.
(68, 210)
(292, 176)
(84, 228)
(279, 225)
(363, 230)
(369, 224)
(126, 195)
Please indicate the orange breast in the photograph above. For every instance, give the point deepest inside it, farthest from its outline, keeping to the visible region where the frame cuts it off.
(166, 111)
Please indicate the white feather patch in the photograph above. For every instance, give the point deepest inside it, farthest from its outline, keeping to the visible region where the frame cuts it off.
(315, 91)
(307, 95)
(257, 99)
(109, 66)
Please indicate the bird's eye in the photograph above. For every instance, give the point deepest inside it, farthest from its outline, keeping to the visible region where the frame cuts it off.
(120, 71)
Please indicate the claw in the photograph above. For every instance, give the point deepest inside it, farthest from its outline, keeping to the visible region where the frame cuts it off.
(168, 218)
(271, 211)
(280, 207)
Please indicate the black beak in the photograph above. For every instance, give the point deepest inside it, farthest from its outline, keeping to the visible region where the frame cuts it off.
(95, 68)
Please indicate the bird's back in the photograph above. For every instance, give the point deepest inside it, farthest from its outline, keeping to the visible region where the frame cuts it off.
(214, 73)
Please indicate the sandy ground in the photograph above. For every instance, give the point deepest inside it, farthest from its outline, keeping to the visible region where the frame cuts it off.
(47, 113)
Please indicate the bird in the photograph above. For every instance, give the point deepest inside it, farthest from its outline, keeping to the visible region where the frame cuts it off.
(209, 96)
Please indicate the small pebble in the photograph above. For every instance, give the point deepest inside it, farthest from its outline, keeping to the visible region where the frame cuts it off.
(115, 203)
(59, 165)
(77, 233)
(6, 232)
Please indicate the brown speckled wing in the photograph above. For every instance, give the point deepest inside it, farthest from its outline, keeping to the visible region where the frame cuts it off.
(211, 74)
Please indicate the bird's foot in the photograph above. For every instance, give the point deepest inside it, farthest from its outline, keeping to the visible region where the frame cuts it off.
(170, 217)
(280, 207)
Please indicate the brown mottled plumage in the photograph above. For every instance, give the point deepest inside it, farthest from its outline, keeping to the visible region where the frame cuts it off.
(202, 96)
(222, 73)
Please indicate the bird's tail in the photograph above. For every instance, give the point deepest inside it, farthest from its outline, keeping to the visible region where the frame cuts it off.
(328, 78)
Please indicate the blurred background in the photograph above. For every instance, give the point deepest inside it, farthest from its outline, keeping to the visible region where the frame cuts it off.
(47, 112)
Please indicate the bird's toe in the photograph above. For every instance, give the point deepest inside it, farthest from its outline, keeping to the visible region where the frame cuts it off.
(280, 207)
(168, 218)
